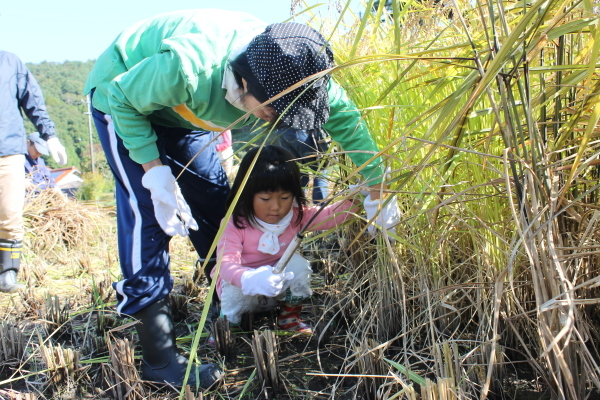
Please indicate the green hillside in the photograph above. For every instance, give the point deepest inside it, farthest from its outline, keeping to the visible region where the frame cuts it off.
(62, 84)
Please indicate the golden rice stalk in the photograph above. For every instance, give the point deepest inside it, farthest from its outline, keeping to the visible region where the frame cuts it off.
(96, 346)
(266, 360)
(370, 364)
(55, 315)
(101, 290)
(221, 331)
(377, 306)
(443, 389)
(191, 288)
(105, 320)
(121, 373)
(62, 363)
(34, 273)
(189, 395)
(15, 395)
(84, 262)
(53, 221)
(561, 326)
(13, 343)
(459, 374)
(31, 303)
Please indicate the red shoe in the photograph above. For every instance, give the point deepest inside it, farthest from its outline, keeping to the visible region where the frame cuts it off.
(289, 320)
(211, 342)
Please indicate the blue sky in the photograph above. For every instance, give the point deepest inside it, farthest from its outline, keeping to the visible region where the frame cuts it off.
(79, 30)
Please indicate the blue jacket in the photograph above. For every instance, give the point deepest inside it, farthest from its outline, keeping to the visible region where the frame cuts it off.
(39, 174)
(20, 91)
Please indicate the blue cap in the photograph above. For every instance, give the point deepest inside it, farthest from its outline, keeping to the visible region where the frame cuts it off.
(40, 144)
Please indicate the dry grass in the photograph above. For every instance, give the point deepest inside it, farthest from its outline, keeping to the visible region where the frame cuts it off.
(61, 338)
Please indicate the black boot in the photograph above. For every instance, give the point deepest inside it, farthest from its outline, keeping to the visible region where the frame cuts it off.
(161, 359)
(10, 263)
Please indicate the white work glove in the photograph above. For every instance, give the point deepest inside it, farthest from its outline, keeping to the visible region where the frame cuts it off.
(170, 208)
(263, 281)
(388, 216)
(300, 285)
(354, 189)
(57, 150)
(29, 185)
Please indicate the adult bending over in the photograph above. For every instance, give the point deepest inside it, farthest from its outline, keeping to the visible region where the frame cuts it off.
(156, 90)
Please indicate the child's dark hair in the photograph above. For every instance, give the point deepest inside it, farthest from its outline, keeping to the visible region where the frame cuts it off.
(274, 170)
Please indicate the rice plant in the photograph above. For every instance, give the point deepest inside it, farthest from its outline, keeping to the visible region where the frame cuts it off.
(62, 364)
(13, 342)
(265, 351)
(488, 122)
(120, 373)
(224, 341)
(56, 315)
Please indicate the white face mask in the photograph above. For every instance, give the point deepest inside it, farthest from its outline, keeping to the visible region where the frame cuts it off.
(233, 91)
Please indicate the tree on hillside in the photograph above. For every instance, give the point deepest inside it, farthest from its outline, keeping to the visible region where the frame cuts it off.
(62, 84)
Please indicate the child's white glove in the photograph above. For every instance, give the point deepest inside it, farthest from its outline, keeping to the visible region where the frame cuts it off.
(300, 285)
(263, 281)
(388, 216)
(57, 150)
(170, 208)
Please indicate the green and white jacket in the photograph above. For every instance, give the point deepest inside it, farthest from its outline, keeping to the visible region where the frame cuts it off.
(173, 70)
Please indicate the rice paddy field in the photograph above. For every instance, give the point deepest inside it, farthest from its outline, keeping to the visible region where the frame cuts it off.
(487, 118)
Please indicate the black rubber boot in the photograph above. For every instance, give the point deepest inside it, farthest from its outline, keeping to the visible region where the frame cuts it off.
(10, 263)
(161, 360)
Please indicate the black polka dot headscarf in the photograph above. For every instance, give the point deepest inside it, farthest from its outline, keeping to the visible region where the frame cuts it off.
(283, 55)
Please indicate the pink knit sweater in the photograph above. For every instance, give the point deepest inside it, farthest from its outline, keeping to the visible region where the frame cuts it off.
(238, 248)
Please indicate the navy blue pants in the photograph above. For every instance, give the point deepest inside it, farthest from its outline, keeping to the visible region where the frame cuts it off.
(302, 144)
(143, 245)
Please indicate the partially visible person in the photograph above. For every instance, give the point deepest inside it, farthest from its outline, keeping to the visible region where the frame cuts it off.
(224, 146)
(307, 146)
(271, 210)
(19, 92)
(37, 175)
